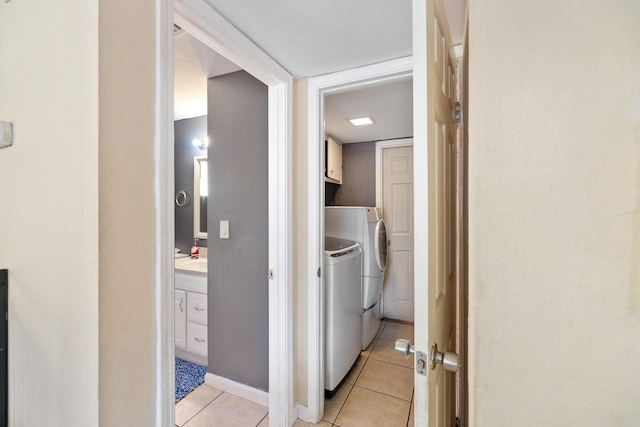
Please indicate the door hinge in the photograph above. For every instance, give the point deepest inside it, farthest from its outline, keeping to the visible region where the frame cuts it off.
(458, 113)
(319, 274)
(270, 274)
(458, 422)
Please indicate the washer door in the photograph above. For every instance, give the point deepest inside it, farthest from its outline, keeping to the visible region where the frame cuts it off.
(380, 245)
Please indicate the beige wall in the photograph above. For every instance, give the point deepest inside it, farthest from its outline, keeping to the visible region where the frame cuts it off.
(300, 250)
(77, 222)
(554, 139)
(49, 209)
(130, 351)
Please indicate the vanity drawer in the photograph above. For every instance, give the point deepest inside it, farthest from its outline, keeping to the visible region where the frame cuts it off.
(197, 308)
(197, 338)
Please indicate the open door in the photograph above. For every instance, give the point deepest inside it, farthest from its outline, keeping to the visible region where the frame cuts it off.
(434, 218)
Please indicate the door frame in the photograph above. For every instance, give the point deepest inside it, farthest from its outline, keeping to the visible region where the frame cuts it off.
(317, 87)
(380, 146)
(462, 229)
(201, 21)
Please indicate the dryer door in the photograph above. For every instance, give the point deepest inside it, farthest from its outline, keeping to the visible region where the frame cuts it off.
(380, 244)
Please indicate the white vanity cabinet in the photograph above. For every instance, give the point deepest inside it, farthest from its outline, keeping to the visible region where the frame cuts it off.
(333, 161)
(191, 336)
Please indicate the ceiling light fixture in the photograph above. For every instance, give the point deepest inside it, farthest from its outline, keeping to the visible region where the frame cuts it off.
(201, 143)
(361, 121)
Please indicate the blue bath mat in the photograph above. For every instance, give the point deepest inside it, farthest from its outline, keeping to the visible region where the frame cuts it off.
(188, 377)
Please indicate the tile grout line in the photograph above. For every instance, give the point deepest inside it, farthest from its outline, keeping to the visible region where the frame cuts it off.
(410, 407)
(355, 380)
(377, 338)
(259, 422)
(201, 409)
(377, 391)
(349, 394)
(385, 394)
(366, 360)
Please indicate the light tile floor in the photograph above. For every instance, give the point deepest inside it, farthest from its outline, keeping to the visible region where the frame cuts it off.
(378, 391)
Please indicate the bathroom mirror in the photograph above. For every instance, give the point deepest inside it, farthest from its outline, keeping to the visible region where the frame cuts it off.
(200, 194)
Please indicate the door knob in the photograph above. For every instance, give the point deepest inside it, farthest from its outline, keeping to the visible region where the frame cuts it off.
(405, 348)
(449, 360)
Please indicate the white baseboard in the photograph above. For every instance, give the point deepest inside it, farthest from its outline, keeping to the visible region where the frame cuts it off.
(241, 390)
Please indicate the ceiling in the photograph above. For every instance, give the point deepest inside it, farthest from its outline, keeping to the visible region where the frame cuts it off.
(390, 105)
(314, 37)
(194, 63)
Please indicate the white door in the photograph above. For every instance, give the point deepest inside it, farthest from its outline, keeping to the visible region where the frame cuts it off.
(397, 208)
(434, 222)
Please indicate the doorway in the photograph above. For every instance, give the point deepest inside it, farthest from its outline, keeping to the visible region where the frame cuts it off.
(318, 88)
(201, 21)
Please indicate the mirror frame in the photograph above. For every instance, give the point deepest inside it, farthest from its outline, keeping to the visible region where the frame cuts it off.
(197, 233)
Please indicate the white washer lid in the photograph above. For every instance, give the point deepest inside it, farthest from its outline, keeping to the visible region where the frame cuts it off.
(336, 247)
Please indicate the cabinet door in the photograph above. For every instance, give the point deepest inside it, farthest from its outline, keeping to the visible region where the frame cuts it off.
(180, 310)
(334, 160)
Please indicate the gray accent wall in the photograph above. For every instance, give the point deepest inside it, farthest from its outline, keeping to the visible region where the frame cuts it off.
(358, 175)
(186, 131)
(238, 188)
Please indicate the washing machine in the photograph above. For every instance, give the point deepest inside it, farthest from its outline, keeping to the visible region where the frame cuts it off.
(365, 226)
(342, 313)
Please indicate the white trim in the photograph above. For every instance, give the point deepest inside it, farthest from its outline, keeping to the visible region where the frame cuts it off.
(281, 409)
(260, 397)
(204, 23)
(201, 21)
(381, 145)
(317, 87)
(165, 216)
(302, 412)
(420, 198)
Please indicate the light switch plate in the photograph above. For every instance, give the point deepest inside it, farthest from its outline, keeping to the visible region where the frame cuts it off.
(224, 229)
(6, 134)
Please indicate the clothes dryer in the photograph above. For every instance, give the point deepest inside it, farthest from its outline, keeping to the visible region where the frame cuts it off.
(365, 226)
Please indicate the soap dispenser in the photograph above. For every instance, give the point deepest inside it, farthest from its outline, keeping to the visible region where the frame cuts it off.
(195, 252)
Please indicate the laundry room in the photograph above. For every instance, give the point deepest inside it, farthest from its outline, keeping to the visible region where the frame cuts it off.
(368, 244)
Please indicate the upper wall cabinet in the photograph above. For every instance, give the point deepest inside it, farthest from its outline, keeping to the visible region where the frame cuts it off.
(333, 168)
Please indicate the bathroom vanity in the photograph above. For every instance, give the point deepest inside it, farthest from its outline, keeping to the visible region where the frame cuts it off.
(190, 307)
